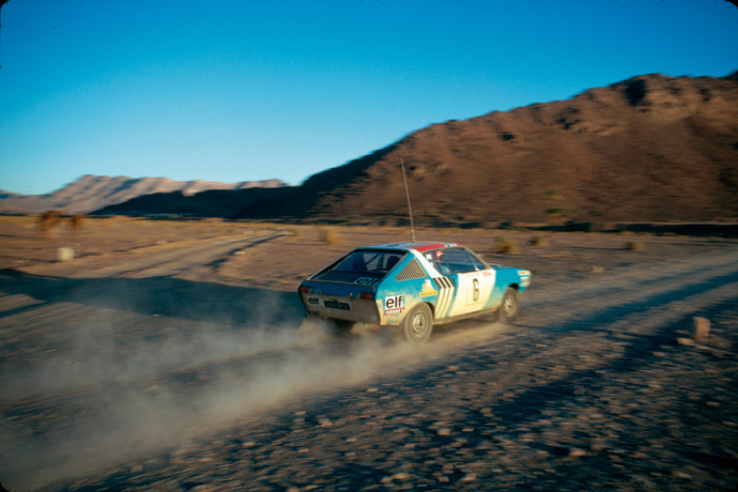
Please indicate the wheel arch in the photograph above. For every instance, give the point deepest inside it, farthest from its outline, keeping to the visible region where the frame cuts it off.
(432, 308)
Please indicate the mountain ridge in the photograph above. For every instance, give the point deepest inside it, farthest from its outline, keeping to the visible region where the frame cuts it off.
(91, 192)
(649, 148)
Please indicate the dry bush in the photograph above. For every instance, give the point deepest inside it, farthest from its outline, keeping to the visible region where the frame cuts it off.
(292, 234)
(633, 246)
(554, 215)
(506, 246)
(49, 220)
(330, 238)
(77, 220)
(538, 241)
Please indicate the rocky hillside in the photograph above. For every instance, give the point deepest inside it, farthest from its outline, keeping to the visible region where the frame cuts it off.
(94, 192)
(651, 148)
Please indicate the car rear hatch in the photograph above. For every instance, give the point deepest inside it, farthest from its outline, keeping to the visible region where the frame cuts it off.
(346, 288)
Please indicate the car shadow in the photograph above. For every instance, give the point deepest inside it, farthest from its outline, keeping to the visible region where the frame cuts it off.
(160, 296)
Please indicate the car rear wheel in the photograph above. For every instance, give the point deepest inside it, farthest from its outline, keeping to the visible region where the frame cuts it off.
(508, 310)
(339, 326)
(418, 324)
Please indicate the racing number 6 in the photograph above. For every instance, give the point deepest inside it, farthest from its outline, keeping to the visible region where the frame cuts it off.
(476, 289)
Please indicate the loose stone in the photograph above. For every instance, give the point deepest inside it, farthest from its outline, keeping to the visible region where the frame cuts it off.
(576, 453)
(700, 328)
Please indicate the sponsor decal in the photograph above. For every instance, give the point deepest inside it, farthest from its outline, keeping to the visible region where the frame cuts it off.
(428, 289)
(366, 281)
(314, 301)
(394, 305)
(334, 304)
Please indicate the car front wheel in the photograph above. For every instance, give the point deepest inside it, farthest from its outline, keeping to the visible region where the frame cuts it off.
(508, 310)
(418, 324)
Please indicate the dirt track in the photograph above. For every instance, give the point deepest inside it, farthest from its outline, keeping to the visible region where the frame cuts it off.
(161, 370)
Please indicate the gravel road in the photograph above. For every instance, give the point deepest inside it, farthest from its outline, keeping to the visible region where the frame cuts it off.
(146, 374)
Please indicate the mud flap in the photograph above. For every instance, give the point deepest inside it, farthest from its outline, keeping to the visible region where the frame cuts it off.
(384, 335)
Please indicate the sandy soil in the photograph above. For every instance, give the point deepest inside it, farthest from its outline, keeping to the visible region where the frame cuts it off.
(179, 366)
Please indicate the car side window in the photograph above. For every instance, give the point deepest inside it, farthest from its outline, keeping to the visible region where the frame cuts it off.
(478, 264)
(450, 261)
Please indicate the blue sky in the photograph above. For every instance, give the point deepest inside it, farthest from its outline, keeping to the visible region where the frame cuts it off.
(238, 90)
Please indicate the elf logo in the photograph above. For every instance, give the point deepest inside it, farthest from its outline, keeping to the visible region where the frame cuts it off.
(393, 305)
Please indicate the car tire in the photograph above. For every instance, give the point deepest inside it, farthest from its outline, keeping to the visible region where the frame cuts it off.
(508, 310)
(339, 327)
(417, 325)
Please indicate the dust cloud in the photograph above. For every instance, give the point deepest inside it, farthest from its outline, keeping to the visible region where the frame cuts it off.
(122, 384)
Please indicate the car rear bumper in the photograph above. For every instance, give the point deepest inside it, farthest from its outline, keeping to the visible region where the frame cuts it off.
(341, 307)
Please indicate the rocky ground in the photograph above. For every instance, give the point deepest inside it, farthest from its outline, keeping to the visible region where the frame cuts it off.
(176, 368)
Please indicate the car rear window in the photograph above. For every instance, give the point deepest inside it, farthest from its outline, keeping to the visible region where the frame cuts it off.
(366, 267)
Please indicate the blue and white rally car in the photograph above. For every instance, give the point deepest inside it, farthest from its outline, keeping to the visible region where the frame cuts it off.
(411, 286)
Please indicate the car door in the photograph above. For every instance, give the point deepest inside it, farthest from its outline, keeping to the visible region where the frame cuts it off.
(482, 284)
(474, 284)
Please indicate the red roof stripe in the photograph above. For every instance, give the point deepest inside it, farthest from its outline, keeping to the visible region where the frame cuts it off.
(425, 247)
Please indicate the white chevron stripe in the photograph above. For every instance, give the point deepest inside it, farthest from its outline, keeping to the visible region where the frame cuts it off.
(445, 295)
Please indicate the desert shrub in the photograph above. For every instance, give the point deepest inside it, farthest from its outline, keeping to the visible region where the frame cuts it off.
(554, 215)
(77, 221)
(538, 241)
(633, 246)
(330, 238)
(49, 220)
(506, 246)
(552, 194)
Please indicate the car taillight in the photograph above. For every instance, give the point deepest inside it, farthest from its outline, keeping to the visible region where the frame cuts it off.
(304, 289)
(367, 295)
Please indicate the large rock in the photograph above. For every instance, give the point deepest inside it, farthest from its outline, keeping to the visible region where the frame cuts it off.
(700, 328)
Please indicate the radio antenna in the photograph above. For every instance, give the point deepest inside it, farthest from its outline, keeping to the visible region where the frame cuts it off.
(407, 192)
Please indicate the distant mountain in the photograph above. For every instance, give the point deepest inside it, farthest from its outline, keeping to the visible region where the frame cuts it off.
(210, 203)
(95, 192)
(650, 148)
(7, 194)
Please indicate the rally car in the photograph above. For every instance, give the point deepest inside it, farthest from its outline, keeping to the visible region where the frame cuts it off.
(411, 286)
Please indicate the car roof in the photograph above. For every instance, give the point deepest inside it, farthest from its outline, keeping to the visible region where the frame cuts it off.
(419, 246)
